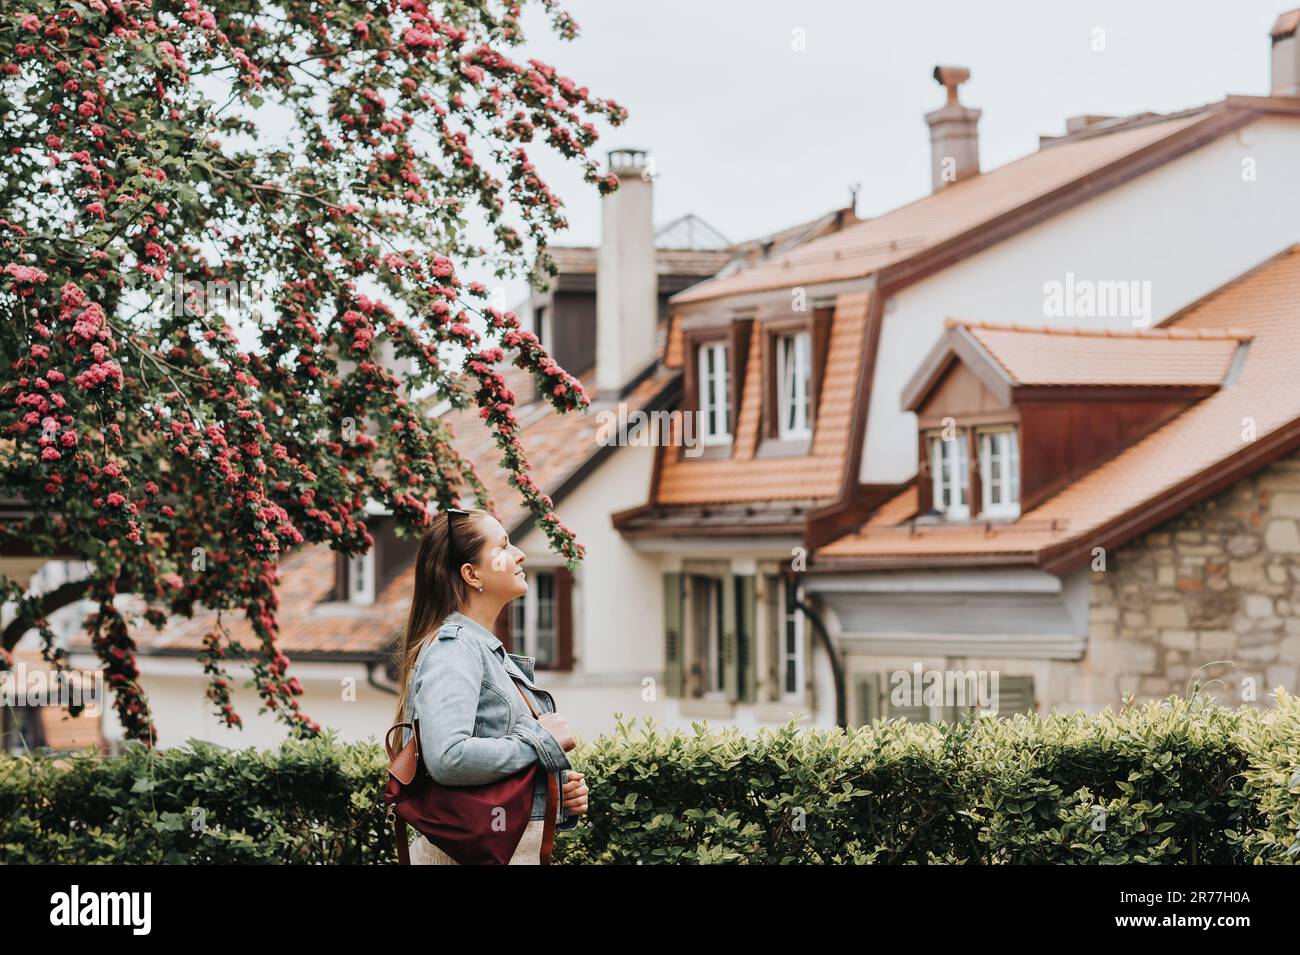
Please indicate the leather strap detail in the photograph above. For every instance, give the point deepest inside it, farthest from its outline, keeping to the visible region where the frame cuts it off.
(552, 794)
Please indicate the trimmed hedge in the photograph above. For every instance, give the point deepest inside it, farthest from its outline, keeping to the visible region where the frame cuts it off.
(1175, 781)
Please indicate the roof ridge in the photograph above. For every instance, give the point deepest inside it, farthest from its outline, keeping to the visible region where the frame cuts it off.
(1192, 308)
(1154, 333)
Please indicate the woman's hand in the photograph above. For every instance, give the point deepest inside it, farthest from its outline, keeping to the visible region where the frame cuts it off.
(575, 793)
(558, 727)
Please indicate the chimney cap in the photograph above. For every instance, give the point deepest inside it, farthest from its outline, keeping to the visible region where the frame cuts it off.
(628, 160)
(951, 77)
(1286, 25)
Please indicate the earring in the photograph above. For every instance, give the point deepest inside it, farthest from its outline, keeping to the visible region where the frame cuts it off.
(480, 588)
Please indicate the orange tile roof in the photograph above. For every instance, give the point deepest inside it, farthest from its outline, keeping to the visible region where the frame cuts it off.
(814, 476)
(1177, 457)
(868, 246)
(1138, 357)
(556, 447)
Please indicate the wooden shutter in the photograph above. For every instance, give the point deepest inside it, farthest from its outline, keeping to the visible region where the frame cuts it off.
(819, 345)
(866, 687)
(913, 713)
(673, 642)
(1015, 695)
(730, 655)
(775, 632)
(746, 613)
(563, 619)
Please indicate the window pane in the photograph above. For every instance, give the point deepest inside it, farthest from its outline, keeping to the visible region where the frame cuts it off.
(543, 642)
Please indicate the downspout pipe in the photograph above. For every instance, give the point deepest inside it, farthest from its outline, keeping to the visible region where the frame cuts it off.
(837, 662)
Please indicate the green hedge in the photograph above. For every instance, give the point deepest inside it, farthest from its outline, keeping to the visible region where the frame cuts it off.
(1175, 781)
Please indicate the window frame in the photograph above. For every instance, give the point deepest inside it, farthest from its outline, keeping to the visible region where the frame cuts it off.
(787, 398)
(1011, 483)
(525, 639)
(960, 470)
(793, 625)
(710, 681)
(718, 391)
(361, 596)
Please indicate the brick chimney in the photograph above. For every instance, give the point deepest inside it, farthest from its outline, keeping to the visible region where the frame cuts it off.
(627, 301)
(954, 141)
(1286, 57)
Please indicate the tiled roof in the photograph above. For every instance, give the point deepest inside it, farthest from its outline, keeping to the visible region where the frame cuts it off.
(556, 446)
(1054, 356)
(1172, 466)
(867, 247)
(813, 476)
(580, 260)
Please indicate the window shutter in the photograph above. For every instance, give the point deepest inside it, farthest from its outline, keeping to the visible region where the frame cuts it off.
(821, 340)
(772, 602)
(745, 637)
(867, 689)
(1015, 695)
(563, 619)
(916, 713)
(673, 648)
(730, 655)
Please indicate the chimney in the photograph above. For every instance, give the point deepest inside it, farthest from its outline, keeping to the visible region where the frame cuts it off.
(954, 142)
(627, 294)
(1286, 57)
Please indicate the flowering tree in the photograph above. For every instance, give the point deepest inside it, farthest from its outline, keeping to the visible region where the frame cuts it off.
(328, 152)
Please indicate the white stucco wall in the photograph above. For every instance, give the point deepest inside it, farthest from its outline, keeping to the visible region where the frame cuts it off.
(334, 695)
(1187, 228)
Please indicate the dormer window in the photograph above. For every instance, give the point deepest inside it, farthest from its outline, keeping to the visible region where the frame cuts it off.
(949, 470)
(1000, 473)
(715, 384)
(794, 371)
(361, 578)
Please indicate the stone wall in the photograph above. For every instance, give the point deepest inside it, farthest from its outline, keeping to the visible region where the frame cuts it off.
(1212, 595)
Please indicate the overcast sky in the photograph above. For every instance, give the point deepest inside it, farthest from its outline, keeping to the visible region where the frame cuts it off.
(753, 135)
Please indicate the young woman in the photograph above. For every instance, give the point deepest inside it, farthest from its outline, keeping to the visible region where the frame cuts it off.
(464, 688)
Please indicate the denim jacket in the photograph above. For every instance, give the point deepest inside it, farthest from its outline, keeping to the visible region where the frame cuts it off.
(474, 726)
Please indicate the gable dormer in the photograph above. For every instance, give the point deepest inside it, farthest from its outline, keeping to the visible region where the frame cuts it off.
(1007, 416)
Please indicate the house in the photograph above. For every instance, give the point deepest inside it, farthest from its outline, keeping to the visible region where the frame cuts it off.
(1096, 512)
(594, 631)
(838, 356)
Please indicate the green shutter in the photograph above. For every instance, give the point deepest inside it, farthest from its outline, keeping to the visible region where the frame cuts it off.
(913, 713)
(1015, 695)
(775, 626)
(745, 637)
(866, 687)
(730, 656)
(673, 634)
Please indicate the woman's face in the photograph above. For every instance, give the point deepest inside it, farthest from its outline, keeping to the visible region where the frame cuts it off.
(500, 565)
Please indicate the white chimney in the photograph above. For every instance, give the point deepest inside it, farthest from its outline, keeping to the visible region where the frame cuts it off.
(1286, 58)
(627, 285)
(954, 142)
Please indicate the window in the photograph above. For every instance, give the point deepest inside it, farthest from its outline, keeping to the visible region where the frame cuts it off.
(793, 374)
(361, 578)
(889, 695)
(715, 405)
(707, 667)
(948, 472)
(533, 623)
(999, 473)
(792, 641)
